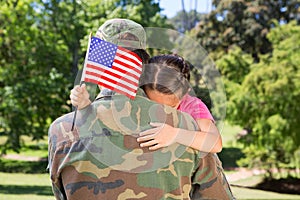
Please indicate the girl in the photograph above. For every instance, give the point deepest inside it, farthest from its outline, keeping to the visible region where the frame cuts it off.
(165, 81)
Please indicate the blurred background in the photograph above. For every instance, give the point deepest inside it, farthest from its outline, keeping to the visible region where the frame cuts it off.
(255, 46)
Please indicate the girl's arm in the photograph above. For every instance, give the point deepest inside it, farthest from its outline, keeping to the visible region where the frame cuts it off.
(208, 139)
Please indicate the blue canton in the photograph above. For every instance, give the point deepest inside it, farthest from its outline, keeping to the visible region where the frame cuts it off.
(102, 52)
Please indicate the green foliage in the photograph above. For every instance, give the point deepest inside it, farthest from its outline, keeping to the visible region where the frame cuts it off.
(244, 23)
(235, 65)
(267, 104)
(31, 90)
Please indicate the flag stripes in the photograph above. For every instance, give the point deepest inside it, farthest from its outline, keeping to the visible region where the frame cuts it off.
(101, 71)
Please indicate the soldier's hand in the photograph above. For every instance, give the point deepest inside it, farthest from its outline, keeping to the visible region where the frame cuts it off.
(80, 97)
(161, 135)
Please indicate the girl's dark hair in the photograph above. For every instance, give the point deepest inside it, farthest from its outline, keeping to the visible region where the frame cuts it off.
(168, 74)
(174, 61)
(143, 55)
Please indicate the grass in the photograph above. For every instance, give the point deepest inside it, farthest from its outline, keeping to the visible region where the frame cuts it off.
(32, 148)
(246, 193)
(230, 152)
(242, 189)
(228, 133)
(23, 166)
(20, 186)
(15, 186)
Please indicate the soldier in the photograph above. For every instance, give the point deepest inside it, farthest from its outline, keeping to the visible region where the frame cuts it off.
(101, 159)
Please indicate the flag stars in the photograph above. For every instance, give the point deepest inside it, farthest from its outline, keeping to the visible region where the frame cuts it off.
(102, 52)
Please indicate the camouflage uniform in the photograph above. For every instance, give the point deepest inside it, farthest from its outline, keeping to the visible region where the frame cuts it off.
(101, 158)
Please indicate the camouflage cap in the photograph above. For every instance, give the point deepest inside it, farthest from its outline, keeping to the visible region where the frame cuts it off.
(123, 32)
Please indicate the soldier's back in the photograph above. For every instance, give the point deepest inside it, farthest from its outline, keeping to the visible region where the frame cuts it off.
(101, 158)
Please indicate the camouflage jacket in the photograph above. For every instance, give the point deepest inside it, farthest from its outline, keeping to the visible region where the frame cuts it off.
(101, 159)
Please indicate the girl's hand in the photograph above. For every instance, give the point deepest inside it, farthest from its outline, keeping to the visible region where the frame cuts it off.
(161, 135)
(80, 97)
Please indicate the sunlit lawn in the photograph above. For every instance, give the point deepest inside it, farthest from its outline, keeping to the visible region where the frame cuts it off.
(14, 186)
(228, 133)
(18, 186)
(240, 190)
(38, 187)
(32, 148)
(245, 193)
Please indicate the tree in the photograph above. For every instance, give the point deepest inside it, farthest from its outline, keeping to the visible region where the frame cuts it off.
(31, 91)
(244, 23)
(265, 103)
(185, 21)
(42, 45)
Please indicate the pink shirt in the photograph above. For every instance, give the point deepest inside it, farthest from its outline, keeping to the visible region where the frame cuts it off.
(195, 107)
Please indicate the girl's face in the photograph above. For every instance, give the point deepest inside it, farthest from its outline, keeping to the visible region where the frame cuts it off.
(166, 99)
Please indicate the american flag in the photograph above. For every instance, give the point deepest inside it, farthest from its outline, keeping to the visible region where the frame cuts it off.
(112, 66)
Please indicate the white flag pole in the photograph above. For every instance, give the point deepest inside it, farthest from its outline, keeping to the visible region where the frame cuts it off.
(82, 77)
(85, 60)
